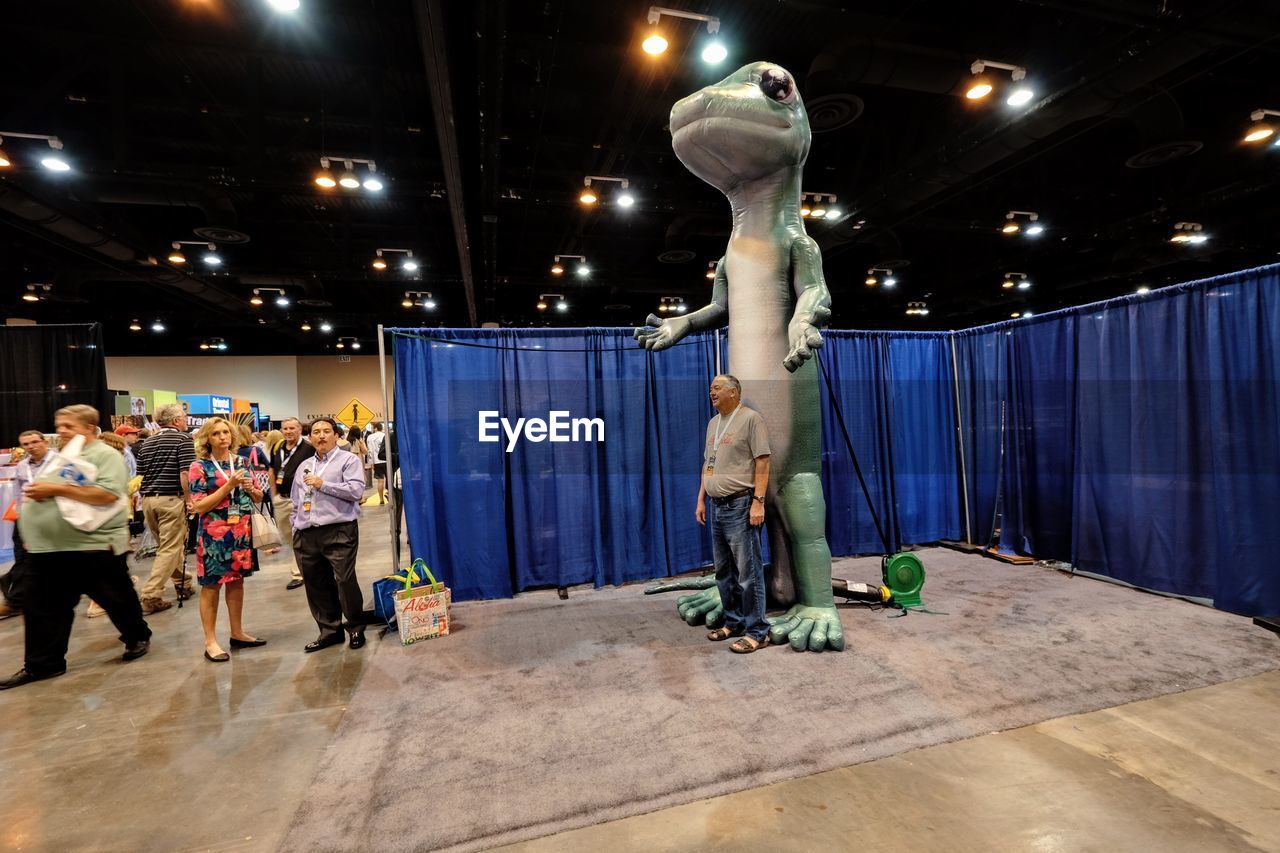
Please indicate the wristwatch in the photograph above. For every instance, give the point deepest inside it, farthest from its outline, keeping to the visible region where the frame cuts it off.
(758, 498)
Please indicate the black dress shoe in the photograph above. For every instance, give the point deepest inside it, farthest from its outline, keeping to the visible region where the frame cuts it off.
(322, 643)
(22, 677)
(293, 584)
(247, 644)
(222, 658)
(357, 639)
(133, 651)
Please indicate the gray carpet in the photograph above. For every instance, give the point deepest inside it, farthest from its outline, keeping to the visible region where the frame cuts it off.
(540, 715)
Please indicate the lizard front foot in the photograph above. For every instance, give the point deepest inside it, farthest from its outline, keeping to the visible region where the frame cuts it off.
(812, 628)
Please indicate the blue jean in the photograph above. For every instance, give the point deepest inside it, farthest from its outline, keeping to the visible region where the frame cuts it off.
(739, 571)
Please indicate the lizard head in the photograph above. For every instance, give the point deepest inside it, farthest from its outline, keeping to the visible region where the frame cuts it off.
(750, 124)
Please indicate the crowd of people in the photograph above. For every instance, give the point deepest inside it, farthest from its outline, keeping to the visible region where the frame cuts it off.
(192, 493)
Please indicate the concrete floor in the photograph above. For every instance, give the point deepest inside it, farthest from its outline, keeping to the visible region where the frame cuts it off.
(174, 753)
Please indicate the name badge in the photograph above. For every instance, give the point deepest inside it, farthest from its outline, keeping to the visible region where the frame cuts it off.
(280, 480)
(306, 506)
(233, 518)
(710, 470)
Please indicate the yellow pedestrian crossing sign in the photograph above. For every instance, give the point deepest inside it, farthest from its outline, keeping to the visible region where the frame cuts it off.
(356, 414)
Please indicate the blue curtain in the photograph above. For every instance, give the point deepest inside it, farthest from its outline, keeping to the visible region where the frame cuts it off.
(551, 514)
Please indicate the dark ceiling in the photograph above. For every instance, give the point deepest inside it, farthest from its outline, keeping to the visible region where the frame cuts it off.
(207, 119)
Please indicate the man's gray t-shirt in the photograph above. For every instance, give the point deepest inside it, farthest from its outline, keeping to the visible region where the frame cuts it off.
(744, 438)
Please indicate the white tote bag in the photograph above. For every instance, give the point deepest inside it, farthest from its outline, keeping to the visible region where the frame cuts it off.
(69, 467)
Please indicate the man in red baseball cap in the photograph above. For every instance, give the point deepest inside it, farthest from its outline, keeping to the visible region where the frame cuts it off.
(130, 436)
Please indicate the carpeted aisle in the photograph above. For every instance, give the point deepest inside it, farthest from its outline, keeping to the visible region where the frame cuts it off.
(540, 715)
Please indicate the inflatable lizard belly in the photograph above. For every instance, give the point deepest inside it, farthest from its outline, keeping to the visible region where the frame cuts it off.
(748, 136)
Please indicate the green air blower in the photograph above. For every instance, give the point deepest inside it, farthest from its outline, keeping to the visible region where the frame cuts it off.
(903, 576)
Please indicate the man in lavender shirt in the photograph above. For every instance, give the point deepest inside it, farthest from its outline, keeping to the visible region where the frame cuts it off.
(326, 536)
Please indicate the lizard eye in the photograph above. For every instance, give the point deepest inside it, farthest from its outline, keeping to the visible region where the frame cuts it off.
(776, 84)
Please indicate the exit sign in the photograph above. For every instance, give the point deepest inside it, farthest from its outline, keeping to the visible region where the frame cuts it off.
(344, 359)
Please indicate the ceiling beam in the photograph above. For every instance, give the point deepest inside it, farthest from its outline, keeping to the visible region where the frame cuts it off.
(429, 15)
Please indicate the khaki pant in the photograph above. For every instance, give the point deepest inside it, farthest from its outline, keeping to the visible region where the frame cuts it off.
(283, 509)
(167, 519)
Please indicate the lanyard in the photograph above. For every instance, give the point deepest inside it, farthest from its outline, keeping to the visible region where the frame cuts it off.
(285, 457)
(721, 432)
(319, 470)
(226, 475)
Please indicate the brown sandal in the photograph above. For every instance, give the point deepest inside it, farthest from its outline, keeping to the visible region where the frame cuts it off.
(719, 634)
(747, 645)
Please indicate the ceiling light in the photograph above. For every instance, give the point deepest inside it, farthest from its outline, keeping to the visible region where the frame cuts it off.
(31, 295)
(406, 302)
(204, 345)
(1188, 232)
(662, 308)
(340, 345)
(1016, 314)
(542, 304)
(211, 257)
(562, 305)
(1020, 96)
(348, 179)
(429, 303)
(410, 265)
(256, 299)
(282, 300)
(1024, 285)
(587, 197)
(54, 163)
(379, 264)
(355, 345)
(222, 345)
(711, 270)
(871, 281)
(805, 211)
(626, 200)
(285, 5)
(176, 256)
(1007, 284)
(135, 326)
(818, 212)
(371, 181)
(979, 89)
(306, 326)
(833, 212)
(1026, 314)
(714, 53)
(1010, 228)
(157, 326)
(917, 308)
(584, 270)
(1015, 279)
(5, 162)
(1142, 289)
(1035, 230)
(326, 327)
(1261, 129)
(654, 44)
(556, 269)
(325, 179)
(890, 281)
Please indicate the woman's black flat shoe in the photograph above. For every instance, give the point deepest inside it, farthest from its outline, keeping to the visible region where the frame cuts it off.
(246, 644)
(222, 658)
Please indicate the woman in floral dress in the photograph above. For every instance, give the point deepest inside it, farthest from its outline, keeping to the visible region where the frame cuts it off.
(223, 492)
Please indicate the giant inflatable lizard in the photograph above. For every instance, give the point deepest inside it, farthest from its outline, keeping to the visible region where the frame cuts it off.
(748, 136)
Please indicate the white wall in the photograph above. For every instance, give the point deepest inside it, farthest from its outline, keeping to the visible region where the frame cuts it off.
(270, 381)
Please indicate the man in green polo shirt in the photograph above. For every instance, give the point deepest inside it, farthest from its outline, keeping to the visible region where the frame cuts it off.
(67, 562)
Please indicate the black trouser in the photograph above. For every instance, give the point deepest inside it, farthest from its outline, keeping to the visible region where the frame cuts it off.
(55, 581)
(327, 557)
(12, 583)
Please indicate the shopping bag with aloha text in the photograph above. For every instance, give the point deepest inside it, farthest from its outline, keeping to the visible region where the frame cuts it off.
(423, 611)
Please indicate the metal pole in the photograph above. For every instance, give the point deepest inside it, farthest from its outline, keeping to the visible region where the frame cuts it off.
(386, 448)
(719, 369)
(964, 475)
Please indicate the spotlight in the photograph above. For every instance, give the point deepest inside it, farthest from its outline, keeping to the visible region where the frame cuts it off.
(587, 197)
(805, 211)
(5, 162)
(1016, 314)
(1035, 229)
(157, 326)
(222, 345)
(662, 309)
(409, 265)
(714, 53)
(818, 212)
(1026, 314)
(1025, 284)
(1142, 289)
(204, 345)
(583, 271)
(54, 163)
(355, 345)
(542, 304)
(135, 326)
(379, 263)
(979, 89)
(306, 326)
(429, 304)
(681, 308)
(371, 181)
(654, 44)
(285, 5)
(326, 327)
(626, 200)
(282, 300)
(31, 295)
(1015, 279)
(340, 345)
(890, 281)
(556, 269)
(211, 257)
(1011, 228)
(256, 299)
(833, 212)
(1020, 96)
(1007, 284)
(406, 302)
(324, 178)
(562, 305)
(176, 256)
(1260, 129)
(348, 179)
(888, 278)
(1188, 232)
(711, 271)
(871, 281)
